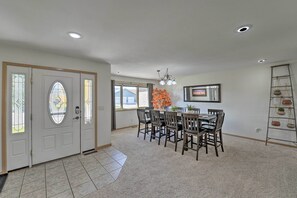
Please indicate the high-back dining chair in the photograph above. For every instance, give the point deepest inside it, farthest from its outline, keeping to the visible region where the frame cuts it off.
(191, 127)
(172, 127)
(215, 111)
(157, 123)
(143, 118)
(214, 134)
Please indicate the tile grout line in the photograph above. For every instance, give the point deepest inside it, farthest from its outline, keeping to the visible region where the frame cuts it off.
(22, 182)
(67, 179)
(88, 173)
(110, 163)
(119, 159)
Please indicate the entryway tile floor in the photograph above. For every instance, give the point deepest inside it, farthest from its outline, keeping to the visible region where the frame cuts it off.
(74, 176)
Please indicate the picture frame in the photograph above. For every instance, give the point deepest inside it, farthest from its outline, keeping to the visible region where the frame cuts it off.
(202, 93)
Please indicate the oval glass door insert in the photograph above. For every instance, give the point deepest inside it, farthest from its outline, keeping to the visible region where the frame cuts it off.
(57, 103)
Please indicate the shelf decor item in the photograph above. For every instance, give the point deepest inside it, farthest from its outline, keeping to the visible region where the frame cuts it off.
(291, 125)
(281, 111)
(277, 92)
(287, 102)
(275, 123)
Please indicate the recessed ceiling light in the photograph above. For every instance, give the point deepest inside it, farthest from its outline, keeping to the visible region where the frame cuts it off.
(261, 60)
(74, 35)
(244, 28)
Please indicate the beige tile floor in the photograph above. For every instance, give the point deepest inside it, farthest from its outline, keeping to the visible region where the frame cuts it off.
(74, 176)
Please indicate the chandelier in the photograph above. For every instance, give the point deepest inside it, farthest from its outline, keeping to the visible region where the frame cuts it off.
(166, 79)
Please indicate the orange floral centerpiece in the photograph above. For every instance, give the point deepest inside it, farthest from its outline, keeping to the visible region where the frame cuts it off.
(161, 98)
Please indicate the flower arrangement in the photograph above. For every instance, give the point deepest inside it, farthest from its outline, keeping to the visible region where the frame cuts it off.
(161, 98)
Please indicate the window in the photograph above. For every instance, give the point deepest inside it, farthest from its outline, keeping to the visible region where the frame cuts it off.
(143, 97)
(57, 103)
(18, 103)
(88, 101)
(130, 97)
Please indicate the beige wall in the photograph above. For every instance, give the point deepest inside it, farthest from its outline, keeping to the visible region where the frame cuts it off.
(27, 56)
(245, 98)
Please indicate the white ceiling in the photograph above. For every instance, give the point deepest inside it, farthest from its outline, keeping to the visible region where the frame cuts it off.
(140, 36)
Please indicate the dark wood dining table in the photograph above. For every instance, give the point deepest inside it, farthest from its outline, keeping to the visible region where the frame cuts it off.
(202, 117)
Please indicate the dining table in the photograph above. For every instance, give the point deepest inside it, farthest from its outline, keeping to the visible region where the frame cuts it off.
(204, 117)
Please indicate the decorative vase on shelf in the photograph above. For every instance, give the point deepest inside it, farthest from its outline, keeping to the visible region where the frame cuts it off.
(291, 126)
(281, 111)
(275, 123)
(277, 92)
(287, 102)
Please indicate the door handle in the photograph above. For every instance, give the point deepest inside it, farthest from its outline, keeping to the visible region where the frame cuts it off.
(76, 118)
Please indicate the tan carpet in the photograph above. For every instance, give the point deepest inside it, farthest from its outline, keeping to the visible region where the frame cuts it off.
(246, 169)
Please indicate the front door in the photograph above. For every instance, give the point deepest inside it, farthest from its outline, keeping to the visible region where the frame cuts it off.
(55, 114)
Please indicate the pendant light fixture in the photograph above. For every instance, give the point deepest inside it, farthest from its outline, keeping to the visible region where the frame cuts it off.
(167, 79)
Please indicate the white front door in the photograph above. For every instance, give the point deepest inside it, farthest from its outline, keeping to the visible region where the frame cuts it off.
(18, 117)
(56, 114)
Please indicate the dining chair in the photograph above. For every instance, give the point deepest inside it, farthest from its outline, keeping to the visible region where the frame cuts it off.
(214, 133)
(143, 118)
(172, 128)
(191, 127)
(158, 123)
(215, 111)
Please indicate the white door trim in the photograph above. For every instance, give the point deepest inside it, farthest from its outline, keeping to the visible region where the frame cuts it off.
(5, 65)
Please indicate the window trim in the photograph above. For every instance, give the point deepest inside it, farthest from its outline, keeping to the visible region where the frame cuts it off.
(121, 85)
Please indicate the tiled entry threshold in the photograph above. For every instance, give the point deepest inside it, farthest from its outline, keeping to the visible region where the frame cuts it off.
(74, 176)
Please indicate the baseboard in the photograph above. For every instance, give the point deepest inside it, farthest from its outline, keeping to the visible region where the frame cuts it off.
(132, 126)
(103, 146)
(3, 173)
(259, 140)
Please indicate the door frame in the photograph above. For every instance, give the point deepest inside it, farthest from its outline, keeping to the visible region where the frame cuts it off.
(4, 101)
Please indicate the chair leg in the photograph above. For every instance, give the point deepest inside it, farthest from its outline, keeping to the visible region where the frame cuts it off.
(184, 143)
(205, 142)
(145, 131)
(138, 129)
(152, 133)
(192, 141)
(166, 137)
(216, 144)
(221, 141)
(160, 132)
(175, 139)
(198, 139)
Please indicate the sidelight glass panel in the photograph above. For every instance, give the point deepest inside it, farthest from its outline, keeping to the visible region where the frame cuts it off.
(18, 103)
(57, 103)
(88, 101)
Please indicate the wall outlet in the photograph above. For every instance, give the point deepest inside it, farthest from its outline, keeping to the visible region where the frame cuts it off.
(258, 130)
